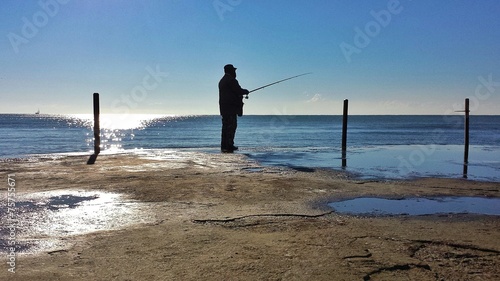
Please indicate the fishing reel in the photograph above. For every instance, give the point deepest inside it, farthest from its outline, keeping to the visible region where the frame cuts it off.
(245, 96)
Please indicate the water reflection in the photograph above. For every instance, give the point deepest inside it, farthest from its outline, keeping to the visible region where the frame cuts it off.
(419, 206)
(43, 219)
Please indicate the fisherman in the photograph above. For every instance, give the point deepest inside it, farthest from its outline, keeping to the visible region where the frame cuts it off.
(230, 106)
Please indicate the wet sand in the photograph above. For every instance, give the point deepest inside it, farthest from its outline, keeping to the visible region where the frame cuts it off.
(223, 217)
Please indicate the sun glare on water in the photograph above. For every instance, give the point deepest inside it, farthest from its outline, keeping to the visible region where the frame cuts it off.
(117, 128)
(121, 121)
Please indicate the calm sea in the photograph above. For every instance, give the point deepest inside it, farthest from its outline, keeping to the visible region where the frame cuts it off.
(378, 146)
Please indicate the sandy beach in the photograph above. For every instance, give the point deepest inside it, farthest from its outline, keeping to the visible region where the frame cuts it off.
(224, 217)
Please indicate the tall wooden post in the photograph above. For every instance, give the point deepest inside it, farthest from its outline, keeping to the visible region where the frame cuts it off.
(97, 127)
(466, 137)
(97, 131)
(344, 133)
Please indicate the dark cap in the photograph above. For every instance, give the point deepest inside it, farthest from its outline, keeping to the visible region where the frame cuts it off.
(229, 67)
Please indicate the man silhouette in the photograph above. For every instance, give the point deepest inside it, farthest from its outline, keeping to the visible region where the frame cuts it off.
(230, 106)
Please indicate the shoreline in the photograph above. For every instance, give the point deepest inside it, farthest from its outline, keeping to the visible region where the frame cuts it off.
(402, 162)
(224, 215)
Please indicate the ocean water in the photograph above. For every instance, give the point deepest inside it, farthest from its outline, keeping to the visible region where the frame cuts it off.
(388, 147)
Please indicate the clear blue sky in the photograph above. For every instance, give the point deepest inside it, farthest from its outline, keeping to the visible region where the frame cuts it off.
(166, 57)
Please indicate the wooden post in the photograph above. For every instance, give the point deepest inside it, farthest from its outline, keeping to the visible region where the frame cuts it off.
(344, 133)
(97, 126)
(466, 137)
(97, 131)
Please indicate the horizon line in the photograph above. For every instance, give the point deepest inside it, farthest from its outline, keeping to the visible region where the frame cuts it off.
(175, 115)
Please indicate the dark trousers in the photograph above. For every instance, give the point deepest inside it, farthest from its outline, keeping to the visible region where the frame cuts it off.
(229, 124)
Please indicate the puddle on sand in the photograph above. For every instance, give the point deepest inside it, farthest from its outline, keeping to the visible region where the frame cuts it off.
(418, 206)
(42, 221)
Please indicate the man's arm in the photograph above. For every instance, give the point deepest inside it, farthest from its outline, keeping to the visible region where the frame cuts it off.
(236, 88)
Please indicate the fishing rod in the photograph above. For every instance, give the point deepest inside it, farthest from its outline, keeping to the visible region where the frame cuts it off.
(260, 88)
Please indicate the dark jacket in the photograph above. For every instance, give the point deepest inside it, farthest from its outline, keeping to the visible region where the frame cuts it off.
(230, 96)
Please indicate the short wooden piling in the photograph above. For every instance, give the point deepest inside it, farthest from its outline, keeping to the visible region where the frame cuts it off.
(97, 131)
(466, 138)
(344, 133)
